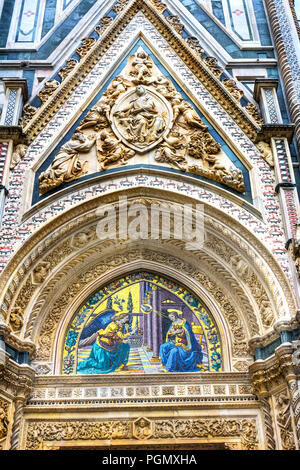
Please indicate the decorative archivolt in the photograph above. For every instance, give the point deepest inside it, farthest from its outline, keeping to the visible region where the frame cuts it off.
(62, 307)
(55, 94)
(73, 246)
(234, 262)
(53, 232)
(78, 273)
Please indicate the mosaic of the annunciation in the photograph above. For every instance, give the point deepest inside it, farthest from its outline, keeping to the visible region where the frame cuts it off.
(142, 323)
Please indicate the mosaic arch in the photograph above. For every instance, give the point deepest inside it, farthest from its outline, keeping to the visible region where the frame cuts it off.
(142, 323)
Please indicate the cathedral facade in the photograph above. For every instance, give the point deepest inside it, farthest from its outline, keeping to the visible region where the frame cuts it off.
(149, 224)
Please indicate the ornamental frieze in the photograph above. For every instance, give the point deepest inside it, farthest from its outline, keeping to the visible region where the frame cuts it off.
(142, 429)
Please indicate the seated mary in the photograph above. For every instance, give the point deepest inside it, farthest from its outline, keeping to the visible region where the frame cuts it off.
(109, 352)
(181, 352)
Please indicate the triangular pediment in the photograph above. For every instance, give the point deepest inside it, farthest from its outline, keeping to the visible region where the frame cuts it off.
(141, 116)
(92, 50)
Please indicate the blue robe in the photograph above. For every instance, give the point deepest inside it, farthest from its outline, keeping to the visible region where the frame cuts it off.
(107, 354)
(181, 358)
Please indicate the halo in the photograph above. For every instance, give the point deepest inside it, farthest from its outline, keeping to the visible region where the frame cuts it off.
(174, 310)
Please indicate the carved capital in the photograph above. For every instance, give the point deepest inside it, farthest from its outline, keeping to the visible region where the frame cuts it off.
(16, 379)
(277, 370)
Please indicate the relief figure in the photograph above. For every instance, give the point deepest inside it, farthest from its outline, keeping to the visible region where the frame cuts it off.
(143, 121)
(110, 150)
(66, 166)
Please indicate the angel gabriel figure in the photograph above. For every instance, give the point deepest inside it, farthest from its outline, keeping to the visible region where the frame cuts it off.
(109, 352)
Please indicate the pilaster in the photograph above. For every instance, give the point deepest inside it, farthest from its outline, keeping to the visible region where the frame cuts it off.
(265, 93)
(16, 95)
(287, 46)
(275, 383)
(10, 132)
(16, 381)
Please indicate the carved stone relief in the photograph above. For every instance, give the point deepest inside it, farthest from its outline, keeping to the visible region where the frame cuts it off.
(66, 165)
(244, 271)
(266, 152)
(143, 429)
(284, 420)
(3, 420)
(141, 114)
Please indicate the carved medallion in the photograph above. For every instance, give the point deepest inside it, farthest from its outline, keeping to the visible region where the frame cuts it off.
(141, 118)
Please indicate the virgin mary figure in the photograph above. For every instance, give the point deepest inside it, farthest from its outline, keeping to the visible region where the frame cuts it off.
(109, 352)
(181, 352)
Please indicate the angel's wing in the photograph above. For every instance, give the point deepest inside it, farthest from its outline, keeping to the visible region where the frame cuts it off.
(99, 323)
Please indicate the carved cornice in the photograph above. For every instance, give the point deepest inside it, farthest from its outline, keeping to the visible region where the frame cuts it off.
(180, 46)
(14, 133)
(4, 420)
(14, 341)
(16, 379)
(278, 327)
(268, 131)
(16, 82)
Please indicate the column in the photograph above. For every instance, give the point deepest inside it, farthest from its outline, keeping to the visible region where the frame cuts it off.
(156, 327)
(288, 197)
(265, 93)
